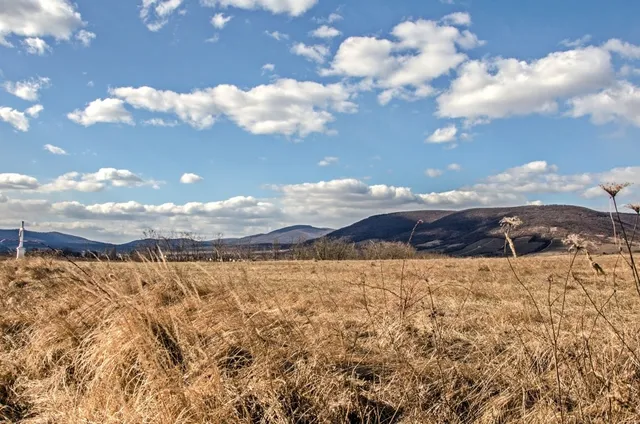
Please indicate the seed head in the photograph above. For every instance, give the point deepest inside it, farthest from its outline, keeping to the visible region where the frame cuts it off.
(575, 242)
(510, 222)
(614, 188)
(634, 207)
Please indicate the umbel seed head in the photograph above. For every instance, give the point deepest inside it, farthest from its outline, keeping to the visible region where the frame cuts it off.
(614, 188)
(634, 207)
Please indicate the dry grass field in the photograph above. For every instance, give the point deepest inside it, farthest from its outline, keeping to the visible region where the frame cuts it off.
(425, 341)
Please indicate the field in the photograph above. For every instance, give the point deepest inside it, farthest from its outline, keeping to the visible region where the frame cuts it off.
(422, 341)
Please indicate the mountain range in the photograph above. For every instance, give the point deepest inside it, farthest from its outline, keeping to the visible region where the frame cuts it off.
(471, 232)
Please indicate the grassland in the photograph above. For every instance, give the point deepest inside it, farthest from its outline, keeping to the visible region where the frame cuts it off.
(424, 341)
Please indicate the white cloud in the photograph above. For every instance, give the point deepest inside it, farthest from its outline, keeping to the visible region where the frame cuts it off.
(27, 89)
(219, 20)
(54, 149)
(443, 135)
(433, 173)
(213, 39)
(619, 103)
(102, 110)
(316, 53)
(576, 43)
(624, 49)
(268, 67)
(498, 88)
(334, 17)
(325, 31)
(85, 37)
(33, 19)
(90, 84)
(155, 14)
(277, 35)
(423, 50)
(97, 181)
(190, 178)
(328, 160)
(285, 106)
(454, 167)
(34, 111)
(290, 7)
(457, 18)
(159, 122)
(36, 46)
(19, 119)
(11, 181)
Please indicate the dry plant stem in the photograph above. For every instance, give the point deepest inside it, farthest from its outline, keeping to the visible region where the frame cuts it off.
(634, 269)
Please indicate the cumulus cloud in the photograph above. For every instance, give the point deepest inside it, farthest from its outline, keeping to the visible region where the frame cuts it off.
(443, 135)
(624, 49)
(325, 31)
(328, 160)
(97, 181)
(33, 19)
(54, 149)
(619, 103)
(102, 110)
(577, 42)
(433, 173)
(290, 7)
(219, 20)
(19, 120)
(36, 46)
(268, 67)
(190, 178)
(85, 37)
(422, 51)
(11, 181)
(28, 89)
(454, 167)
(159, 122)
(155, 14)
(316, 53)
(499, 88)
(287, 106)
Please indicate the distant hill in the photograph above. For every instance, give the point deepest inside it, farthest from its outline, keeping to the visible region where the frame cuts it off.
(476, 232)
(287, 235)
(55, 240)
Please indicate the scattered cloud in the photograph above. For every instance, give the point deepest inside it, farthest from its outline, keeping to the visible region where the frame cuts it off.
(85, 37)
(457, 18)
(36, 46)
(579, 42)
(624, 49)
(97, 181)
(422, 51)
(33, 19)
(443, 135)
(333, 17)
(328, 160)
(325, 31)
(276, 35)
(499, 88)
(316, 53)
(19, 120)
(190, 178)
(454, 167)
(10, 181)
(619, 103)
(155, 14)
(219, 20)
(433, 173)
(102, 110)
(290, 7)
(27, 89)
(213, 39)
(286, 106)
(54, 149)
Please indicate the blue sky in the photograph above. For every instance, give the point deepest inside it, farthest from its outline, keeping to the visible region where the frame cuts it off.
(242, 116)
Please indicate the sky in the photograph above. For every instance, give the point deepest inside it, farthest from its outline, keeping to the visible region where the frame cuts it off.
(237, 117)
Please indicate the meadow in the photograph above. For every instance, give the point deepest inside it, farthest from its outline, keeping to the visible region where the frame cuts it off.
(530, 340)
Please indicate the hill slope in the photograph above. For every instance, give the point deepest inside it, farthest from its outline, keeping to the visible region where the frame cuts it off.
(55, 240)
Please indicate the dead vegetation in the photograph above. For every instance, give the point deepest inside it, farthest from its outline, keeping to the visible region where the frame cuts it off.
(425, 341)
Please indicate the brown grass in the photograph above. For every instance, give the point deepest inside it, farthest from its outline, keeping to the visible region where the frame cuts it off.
(449, 340)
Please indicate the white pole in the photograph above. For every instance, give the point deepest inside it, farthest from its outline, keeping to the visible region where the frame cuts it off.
(21, 250)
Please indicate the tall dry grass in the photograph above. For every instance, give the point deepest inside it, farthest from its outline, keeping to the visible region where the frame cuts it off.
(465, 340)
